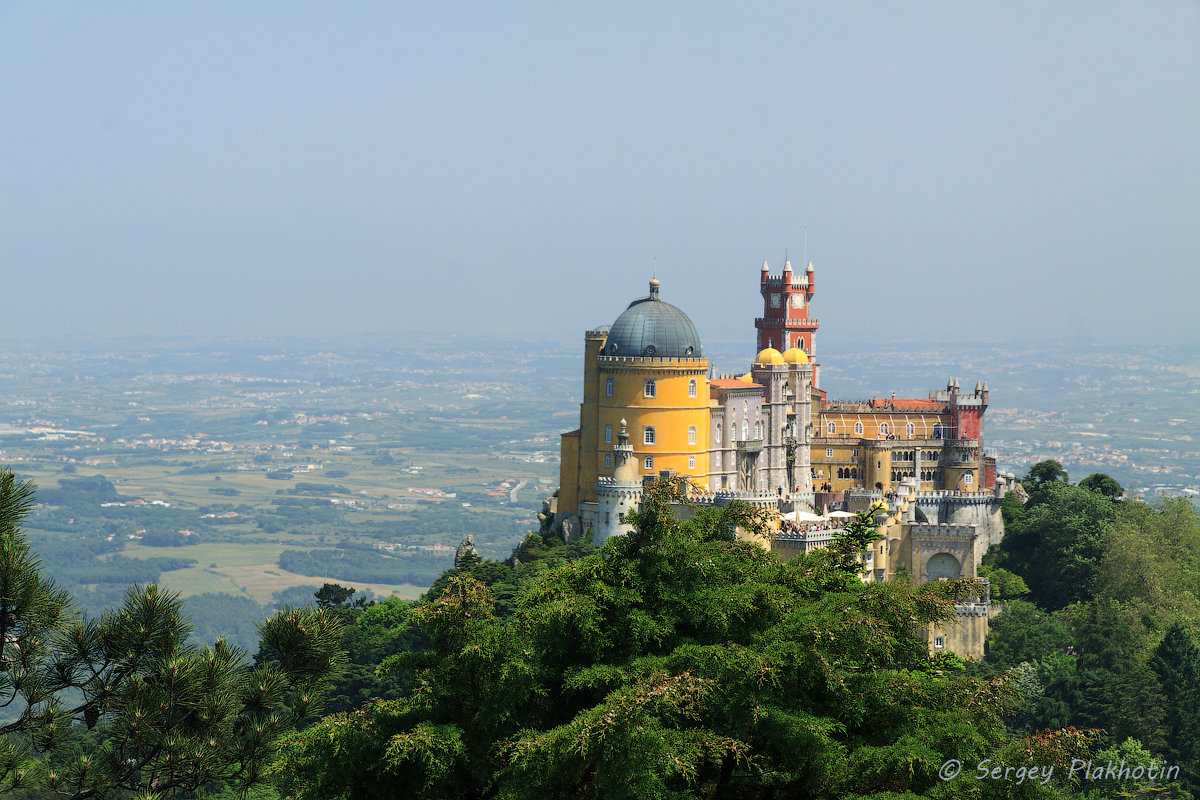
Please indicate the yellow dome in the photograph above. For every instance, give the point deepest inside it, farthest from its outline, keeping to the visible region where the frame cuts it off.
(747, 378)
(769, 356)
(794, 355)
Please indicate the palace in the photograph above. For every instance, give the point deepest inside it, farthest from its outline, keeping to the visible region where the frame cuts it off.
(771, 437)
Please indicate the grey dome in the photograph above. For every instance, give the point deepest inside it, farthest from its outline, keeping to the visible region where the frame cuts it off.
(650, 327)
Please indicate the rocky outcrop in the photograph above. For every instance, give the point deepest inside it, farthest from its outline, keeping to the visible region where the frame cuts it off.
(466, 555)
(562, 525)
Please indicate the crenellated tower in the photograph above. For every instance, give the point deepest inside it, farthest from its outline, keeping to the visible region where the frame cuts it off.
(785, 322)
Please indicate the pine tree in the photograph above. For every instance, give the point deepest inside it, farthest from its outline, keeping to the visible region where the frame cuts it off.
(1176, 661)
(174, 716)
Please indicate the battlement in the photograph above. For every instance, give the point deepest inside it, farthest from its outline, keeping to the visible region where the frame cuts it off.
(723, 497)
(819, 537)
(609, 482)
(802, 324)
(927, 532)
(799, 281)
(639, 361)
(962, 498)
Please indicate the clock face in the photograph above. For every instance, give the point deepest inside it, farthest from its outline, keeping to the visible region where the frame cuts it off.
(797, 301)
(774, 300)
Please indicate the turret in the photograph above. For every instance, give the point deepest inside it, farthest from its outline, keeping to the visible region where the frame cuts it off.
(625, 468)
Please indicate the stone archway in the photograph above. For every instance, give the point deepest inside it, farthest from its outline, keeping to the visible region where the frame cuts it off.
(943, 565)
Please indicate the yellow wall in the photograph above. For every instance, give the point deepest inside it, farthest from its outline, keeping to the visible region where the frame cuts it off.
(874, 464)
(589, 434)
(671, 411)
(843, 457)
(568, 472)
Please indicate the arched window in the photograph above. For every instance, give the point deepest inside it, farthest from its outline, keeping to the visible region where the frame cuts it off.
(968, 477)
(910, 430)
(718, 434)
(758, 430)
(733, 432)
(650, 388)
(937, 430)
(692, 388)
(745, 430)
(691, 434)
(883, 429)
(831, 428)
(858, 429)
(608, 387)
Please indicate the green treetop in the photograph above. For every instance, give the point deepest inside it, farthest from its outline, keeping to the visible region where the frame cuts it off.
(676, 662)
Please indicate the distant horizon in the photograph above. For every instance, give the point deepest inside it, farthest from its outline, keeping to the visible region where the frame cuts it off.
(956, 172)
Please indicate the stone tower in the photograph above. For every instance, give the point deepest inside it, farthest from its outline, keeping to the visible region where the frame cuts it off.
(785, 322)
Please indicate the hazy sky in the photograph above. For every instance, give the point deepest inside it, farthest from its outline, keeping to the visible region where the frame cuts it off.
(964, 170)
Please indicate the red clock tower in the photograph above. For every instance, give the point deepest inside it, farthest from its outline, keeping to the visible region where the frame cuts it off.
(785, 322)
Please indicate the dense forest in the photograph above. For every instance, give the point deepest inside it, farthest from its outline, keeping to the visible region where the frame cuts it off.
(674, 662)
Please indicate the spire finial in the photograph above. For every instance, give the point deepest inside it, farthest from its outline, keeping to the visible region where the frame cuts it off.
(654, 284)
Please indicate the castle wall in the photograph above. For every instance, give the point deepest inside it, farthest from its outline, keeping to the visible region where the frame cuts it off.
(965, 636)
(568, 472)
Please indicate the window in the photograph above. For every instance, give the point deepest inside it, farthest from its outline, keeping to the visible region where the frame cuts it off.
(939, 642)
(691, 462)
(854, 453)
(745, 430)
(758, 430)
(648, 434)
(858, 428)
(831, 428)
(692, 388)
(829, 452)
(649, 389)
(968, 477)
(883, 429)
(608, 460)
(910, 430)
(718, 433)
(608, 387)
(691, 434)
(649, 462)
(608, 434)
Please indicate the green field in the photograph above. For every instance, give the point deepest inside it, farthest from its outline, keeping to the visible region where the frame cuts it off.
(250, 570)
